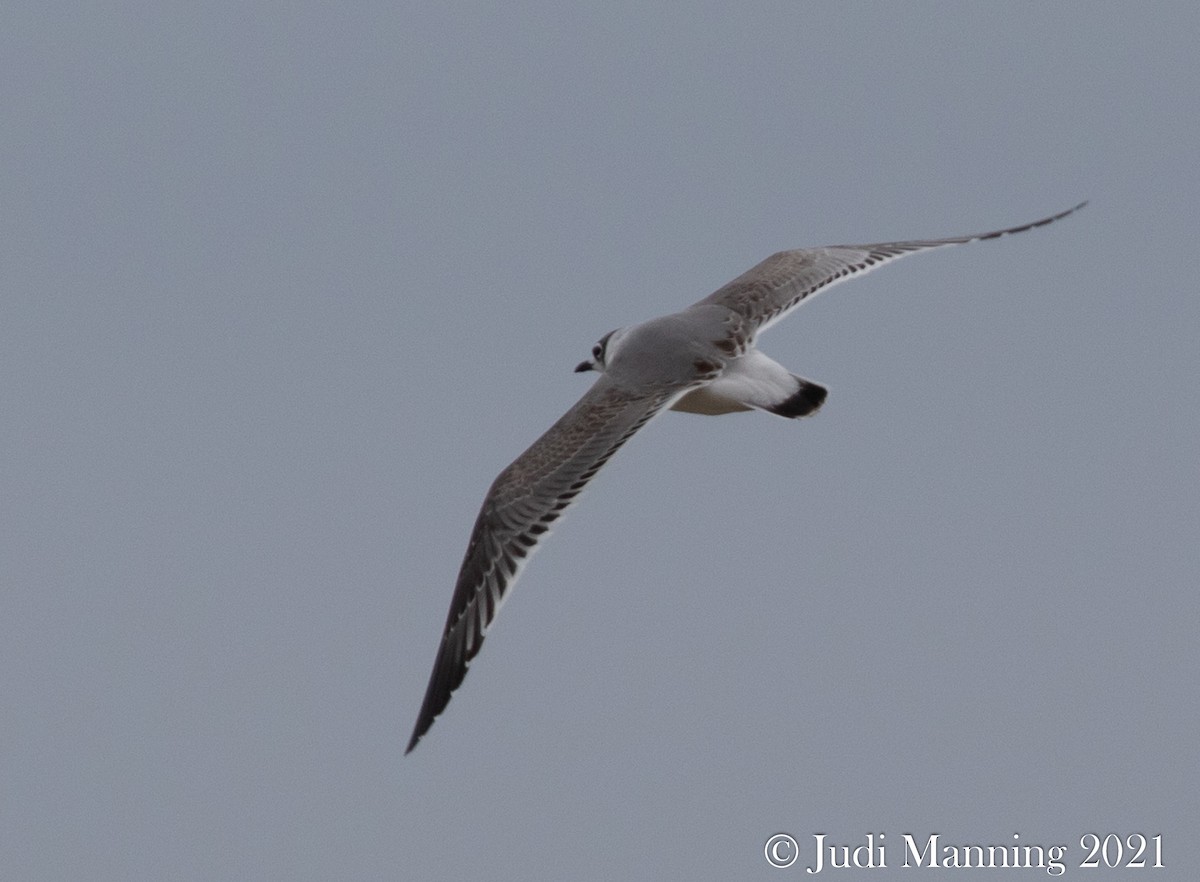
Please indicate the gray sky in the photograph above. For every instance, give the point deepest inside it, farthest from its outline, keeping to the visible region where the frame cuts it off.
(283, 292)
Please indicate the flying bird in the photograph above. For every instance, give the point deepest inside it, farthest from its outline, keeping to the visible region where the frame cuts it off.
(702, 360)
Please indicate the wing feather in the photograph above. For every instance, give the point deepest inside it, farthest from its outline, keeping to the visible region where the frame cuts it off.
(770, 290)
(518, 511)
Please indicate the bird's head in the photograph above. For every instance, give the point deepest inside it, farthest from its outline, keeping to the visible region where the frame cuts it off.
(600, 354)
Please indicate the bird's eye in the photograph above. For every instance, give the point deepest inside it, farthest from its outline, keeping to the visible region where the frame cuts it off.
(598, 352)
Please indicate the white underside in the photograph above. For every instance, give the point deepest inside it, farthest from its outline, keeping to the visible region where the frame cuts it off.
(749, 382)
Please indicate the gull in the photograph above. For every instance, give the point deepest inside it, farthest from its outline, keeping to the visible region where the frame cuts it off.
(702, 360)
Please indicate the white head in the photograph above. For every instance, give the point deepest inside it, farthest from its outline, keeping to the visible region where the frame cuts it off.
(601, 353)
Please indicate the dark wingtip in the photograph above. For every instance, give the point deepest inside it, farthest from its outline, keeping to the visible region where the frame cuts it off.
(436, 699)
(1062, 214)
(424, 721)
(449, 669)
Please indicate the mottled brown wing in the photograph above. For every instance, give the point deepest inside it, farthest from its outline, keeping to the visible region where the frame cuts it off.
(522, 504)
(767, 292)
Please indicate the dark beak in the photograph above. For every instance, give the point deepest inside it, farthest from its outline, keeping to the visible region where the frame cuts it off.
(584, 366)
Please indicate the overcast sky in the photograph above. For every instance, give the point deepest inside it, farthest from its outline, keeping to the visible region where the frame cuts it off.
(286, 285)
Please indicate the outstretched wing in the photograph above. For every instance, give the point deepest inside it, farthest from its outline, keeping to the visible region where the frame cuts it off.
(523, 502)
(767, 292)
